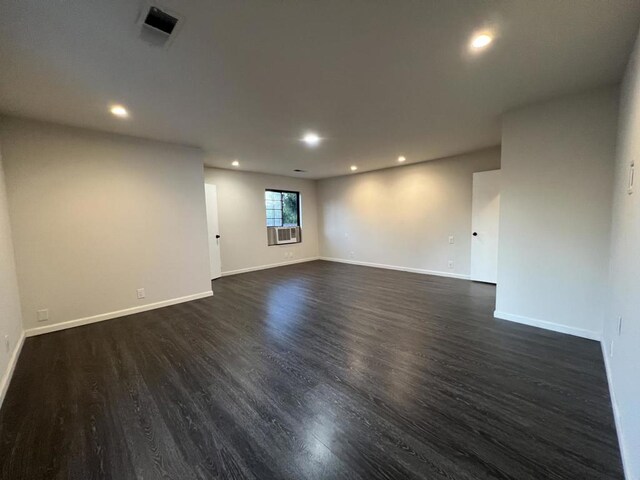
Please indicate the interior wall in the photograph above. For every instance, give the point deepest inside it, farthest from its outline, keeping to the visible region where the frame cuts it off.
(557, 175)
(242, 219)
(621, 345)
(96, 216)
(10, 315)
(402, 217)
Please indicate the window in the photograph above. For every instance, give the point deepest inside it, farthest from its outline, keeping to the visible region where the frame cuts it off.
(283, 208)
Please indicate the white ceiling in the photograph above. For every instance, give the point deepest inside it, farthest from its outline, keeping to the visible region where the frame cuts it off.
(245, 79)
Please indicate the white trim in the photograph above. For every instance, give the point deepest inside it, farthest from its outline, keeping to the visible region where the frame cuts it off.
(556, 327)
(108, 316)
(395, 267)
(13, 360)
(265, 267)
(616, 414)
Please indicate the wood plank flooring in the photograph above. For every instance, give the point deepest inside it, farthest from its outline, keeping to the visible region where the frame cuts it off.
(312, 371)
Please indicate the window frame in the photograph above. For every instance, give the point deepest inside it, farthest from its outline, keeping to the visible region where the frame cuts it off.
(275, 190)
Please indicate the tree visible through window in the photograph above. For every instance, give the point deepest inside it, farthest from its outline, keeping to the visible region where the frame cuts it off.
(283, 208)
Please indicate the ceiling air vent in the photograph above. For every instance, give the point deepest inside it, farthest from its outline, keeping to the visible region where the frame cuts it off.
(158, 26)
(160, 20)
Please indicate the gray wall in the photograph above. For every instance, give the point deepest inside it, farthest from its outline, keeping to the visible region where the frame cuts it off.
(96, 216)
(403, 216)
(622, 352)
(10, 317)
(242, 219)
(555, 210)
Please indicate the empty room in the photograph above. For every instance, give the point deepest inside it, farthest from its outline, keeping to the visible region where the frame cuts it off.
(319, 239)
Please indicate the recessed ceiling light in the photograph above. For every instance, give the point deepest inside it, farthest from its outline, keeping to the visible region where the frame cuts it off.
(481, 41)
(353, 168)
(311, 139)
(235, 163)
(401, 159)
(119, 111)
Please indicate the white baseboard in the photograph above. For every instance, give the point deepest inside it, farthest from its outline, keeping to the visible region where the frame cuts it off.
(271, 265)
(395, 267)
(13, 360)
(556, 327)
(616, 414)
(119, 313)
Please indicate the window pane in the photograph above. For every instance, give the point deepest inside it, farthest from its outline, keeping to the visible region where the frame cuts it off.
(290, 208)
(282, 208)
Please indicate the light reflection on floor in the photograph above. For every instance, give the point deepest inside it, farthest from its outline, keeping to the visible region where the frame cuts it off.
(284, 308)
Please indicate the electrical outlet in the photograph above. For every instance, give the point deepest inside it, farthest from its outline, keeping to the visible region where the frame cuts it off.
(452, 240)
(450, 263)
(43, 315)
(352, 254)
(7, 343)
(141, 293)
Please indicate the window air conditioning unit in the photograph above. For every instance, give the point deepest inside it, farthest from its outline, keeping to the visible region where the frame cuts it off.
(283, 235)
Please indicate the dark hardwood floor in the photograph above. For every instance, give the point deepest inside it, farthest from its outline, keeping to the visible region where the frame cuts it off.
(317, 370)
